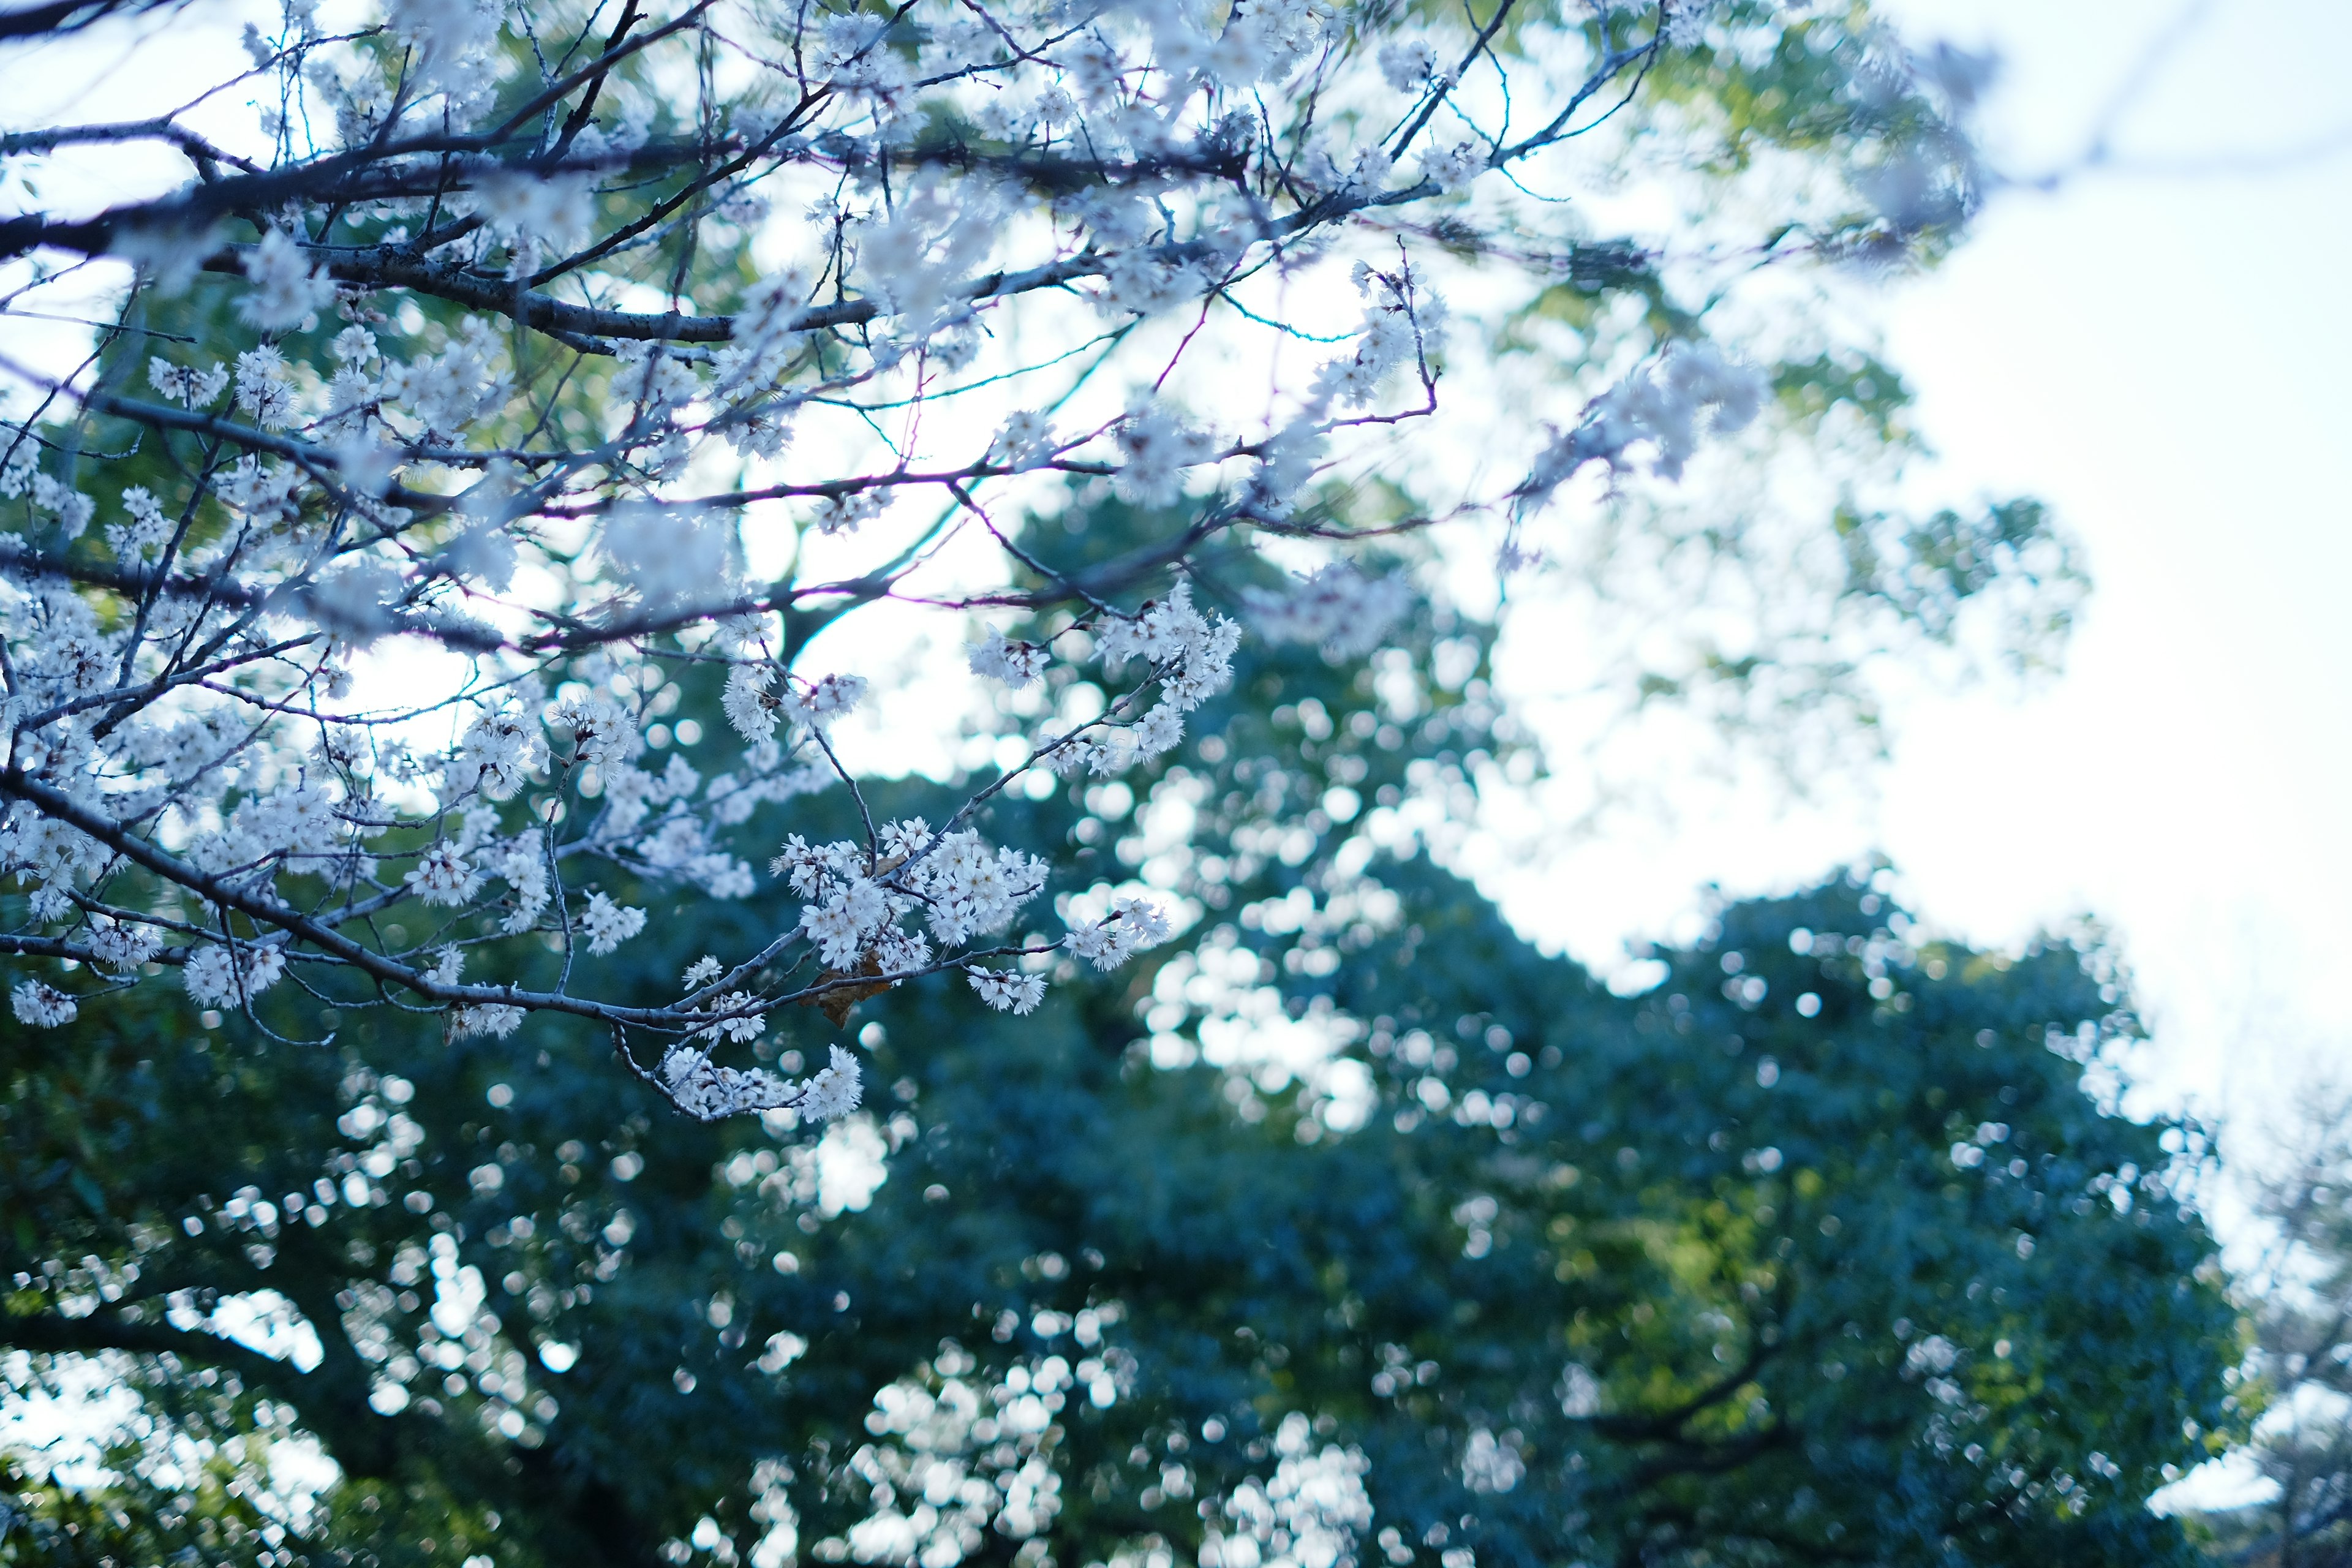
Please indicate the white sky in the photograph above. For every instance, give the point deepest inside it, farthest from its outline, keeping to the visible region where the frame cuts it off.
(2161, 356)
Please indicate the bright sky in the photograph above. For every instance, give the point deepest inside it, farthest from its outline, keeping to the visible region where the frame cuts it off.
(2161, 357)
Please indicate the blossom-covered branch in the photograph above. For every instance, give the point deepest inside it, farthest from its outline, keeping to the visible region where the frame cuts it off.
(560, 356)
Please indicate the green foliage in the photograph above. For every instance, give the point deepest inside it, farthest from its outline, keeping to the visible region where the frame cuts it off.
(1715, 1273)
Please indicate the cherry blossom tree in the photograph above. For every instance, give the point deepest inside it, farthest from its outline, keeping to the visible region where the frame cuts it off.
(517, 366)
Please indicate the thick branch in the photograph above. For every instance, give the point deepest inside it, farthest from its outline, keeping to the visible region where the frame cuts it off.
(104, 1330)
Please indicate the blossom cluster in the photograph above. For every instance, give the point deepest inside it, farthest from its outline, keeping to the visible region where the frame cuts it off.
(1191, 658)
(1336, 606)
(855, 897)
(711, 1092)
(1662, 409)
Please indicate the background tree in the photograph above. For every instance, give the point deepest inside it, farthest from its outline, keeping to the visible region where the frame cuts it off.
(2300, 1296)
(507, 371)
(1348, 1229)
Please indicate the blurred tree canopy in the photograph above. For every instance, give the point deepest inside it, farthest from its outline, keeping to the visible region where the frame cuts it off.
(2301, 1292)
(1351, 1230)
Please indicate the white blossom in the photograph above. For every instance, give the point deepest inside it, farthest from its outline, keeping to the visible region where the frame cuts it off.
(493, 1018)
(287, 286)
(446, 393)
(216, 979)
(263, 492)
(1024, 440)
(834, 1091)
(971, 889)
(538, 215)
(497, 755)
(840, 925)
(1662, 409)
(1335, 605)
(42, 1005)
(522, 864)
(1159, 730)
(1451, 168)
(707, 1090)
(846, 513)
(750, 702)
(444, 877)
(263, 389)
(1394, 332)
(1007, 991)
(450, 37)
(599, 731)
(900, 951)
(904, 839)
(1193, 654)
(20, 466)
(145, 532)
(1155, 447)
(1491, 1465)
(1407, 63)
(607, 924)
(72, 508)
(187, 385)
(741, 1026)
(807, 867)
(1132, 926)
(120, 946)
(819, 703)
(673, 559)
(1016, 664)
